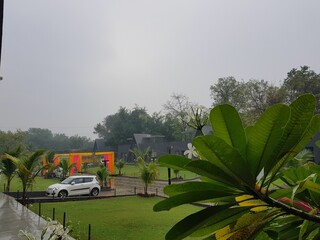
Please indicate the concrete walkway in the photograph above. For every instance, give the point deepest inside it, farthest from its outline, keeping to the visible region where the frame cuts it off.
(15, 217)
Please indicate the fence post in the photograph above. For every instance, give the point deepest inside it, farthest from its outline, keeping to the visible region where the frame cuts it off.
(53, 214)
(39, 212)
(89, 232)
(64, 220)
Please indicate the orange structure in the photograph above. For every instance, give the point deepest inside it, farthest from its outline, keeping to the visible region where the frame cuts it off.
(106, 158)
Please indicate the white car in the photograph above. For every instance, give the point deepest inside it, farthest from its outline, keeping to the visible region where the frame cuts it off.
(75, 185)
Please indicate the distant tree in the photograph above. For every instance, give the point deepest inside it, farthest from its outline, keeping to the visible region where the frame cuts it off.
(45, 139)
(250, 98)
(8, 167)
(229, 90)
(300, 81)
(39, 138)
(177, 108)
(12, 140)
(117, 128)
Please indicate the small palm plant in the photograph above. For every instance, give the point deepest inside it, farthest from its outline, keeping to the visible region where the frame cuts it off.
(8, 167)
(102, 175)
(66, 167)
(28, 167)
(148, 173)
(49, 163)
(119, 165)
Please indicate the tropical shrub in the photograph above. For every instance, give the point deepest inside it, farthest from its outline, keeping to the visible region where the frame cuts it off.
(119, 165)
(28, 167)
(249, 193)
(102, 175)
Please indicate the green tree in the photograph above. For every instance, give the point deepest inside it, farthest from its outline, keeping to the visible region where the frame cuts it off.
(239, 167)
(28, 167)
(300, 81)
(117, 128)
(8, 167)
(12, 140)
(178, 108)
(229, 90)
(119, 165)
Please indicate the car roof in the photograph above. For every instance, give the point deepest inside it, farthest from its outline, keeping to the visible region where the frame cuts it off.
(80, 176)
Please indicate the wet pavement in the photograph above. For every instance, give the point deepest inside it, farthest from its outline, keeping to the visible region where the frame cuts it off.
(15, 217)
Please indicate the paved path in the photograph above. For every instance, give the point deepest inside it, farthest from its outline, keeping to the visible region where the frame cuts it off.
(15, 217)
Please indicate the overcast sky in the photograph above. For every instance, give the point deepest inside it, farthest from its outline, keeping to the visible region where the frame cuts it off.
(67, 64)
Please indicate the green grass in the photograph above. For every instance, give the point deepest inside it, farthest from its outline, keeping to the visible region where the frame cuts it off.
(117, 218)
(40, 184)
(132, 170)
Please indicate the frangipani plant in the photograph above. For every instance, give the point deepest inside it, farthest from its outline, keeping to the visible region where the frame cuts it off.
(249, 196)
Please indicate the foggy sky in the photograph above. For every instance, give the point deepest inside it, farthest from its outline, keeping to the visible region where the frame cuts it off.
(67, 64)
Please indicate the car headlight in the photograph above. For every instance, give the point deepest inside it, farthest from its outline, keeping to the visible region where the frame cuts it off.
(55, 188)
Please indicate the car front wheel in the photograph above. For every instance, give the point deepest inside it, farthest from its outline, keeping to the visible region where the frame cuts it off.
(63, 194)
(95, 192)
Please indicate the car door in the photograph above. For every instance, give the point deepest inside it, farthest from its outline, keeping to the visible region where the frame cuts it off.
(76, 187)
(87, 185)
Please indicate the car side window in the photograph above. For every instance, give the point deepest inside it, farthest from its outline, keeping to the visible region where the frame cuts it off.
(88, 180)
(78, 180)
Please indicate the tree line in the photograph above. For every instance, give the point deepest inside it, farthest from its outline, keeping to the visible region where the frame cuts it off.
(180, 117)
(38, 138)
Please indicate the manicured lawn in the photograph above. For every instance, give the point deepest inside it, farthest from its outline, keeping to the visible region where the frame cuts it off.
(117, 218)
(132, 170)
(40, 184)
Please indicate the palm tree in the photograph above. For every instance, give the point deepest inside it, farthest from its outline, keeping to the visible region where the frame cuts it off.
(28, 167)
(8, 167)
(64, 164)
(119, 165)
(49, 162)
(148, 173)
(102, 175)
(139, 154)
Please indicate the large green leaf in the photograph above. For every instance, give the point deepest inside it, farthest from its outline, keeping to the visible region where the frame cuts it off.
(225, 157)
(227, 125)
(302, 111)
(176, 189)
(265, 136)
(174, 161)
(305, 138)
(209, 170)
(219, 216)
(189, 197)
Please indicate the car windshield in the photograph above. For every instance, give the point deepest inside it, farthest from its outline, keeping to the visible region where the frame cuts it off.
(67, 181)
